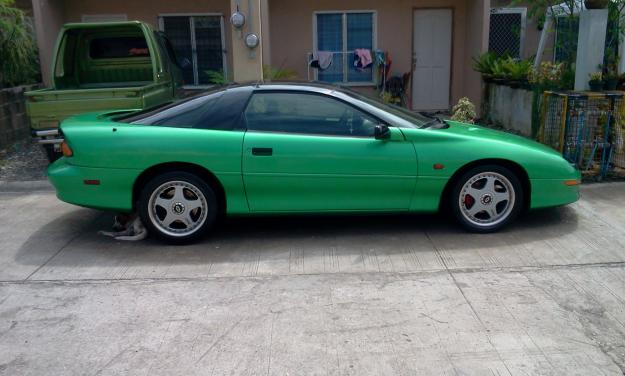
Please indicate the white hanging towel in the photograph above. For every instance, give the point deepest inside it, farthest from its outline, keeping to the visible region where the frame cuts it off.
(325, 59)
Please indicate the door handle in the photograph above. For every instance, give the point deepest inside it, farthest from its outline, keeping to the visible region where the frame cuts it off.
(262, 152)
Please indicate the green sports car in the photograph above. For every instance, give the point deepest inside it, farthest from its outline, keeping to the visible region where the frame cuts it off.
(300, 148)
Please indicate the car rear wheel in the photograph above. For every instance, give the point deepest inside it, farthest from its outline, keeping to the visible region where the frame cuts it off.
(178, 207)
(487, 198)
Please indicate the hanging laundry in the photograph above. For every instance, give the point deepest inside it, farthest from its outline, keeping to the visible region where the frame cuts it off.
(380, 57)
(362, 58)
(322, 60)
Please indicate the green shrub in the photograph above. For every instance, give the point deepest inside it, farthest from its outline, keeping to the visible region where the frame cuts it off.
(217, 77)
(464, 111)
(276, 74)
(485, 62)
(548, 75)
(517, 70)
(502, 67)
(18, 50)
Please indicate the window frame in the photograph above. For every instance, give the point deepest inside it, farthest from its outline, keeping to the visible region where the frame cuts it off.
(513, 10)
(346, 65)
(304, 92)
(224, 50)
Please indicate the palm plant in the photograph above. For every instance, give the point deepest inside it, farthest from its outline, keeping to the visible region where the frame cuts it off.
(217, 77)
(277, 74)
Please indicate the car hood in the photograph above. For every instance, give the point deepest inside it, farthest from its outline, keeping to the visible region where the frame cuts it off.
(477, 132)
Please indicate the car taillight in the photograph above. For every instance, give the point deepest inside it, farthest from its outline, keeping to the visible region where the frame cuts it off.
(67, 151)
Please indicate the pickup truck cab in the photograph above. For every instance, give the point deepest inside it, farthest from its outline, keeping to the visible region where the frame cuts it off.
(104, 66)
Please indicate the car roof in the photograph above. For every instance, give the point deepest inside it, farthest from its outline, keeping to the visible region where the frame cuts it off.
(317, 87)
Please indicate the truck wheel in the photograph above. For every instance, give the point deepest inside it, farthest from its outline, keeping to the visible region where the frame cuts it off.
(178, 207)
(51, 153)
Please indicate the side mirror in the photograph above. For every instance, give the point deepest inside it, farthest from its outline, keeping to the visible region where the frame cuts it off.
(184, 63)
(381, 132)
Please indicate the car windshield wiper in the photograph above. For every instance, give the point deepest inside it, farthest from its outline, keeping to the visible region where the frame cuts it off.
(435, 120)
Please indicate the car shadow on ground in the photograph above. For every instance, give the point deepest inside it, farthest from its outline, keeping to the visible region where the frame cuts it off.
(76, 242)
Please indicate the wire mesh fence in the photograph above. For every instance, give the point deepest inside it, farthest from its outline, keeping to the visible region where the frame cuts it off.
(587, 129)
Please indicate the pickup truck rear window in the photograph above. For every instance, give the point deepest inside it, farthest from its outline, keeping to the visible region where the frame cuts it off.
(118, 47)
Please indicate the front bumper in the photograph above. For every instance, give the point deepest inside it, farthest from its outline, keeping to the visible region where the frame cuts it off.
(75, 185)
(554, 192)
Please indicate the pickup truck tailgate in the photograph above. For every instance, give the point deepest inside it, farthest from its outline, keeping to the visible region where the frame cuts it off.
(47, 108)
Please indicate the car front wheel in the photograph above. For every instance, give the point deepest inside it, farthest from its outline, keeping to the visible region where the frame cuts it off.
(487, 198)
(178, 207)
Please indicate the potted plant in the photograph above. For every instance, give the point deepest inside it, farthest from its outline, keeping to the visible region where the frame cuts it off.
(596, 81)
(517, 71)
(621, 82)
(484, 65)
(611, 81)
(596, 4)
(610, 76)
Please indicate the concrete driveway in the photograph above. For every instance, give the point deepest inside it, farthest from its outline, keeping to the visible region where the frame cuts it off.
(325, 295)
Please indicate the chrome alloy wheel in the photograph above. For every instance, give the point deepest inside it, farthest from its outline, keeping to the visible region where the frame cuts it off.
(177, 208)
(486, 199)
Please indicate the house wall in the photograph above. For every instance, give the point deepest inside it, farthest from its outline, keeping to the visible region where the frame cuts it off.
(291, 24)
(54, 13)
(49, 18)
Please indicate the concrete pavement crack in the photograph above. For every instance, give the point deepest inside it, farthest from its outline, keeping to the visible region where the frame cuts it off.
(522, 269)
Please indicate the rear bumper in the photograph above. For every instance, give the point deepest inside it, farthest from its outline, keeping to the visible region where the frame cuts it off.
(553, 192)
(75, 185)
(49, 137)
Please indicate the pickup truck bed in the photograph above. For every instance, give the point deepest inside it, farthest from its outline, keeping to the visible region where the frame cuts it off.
(47, 107)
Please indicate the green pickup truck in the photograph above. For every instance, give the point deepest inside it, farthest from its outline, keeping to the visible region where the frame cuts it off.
(104, 66)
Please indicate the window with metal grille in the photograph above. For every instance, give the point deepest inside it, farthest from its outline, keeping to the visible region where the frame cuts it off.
(507, 31)
(198, 38)
(341, 33)
(567, 30)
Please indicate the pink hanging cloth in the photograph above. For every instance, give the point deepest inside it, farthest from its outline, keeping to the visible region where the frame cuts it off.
(364, 57)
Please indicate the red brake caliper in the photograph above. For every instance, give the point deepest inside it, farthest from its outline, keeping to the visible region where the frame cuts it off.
(468, 201)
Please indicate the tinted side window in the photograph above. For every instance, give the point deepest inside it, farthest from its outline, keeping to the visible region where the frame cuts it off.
(306, 113)
(193, 113)
(118, 47)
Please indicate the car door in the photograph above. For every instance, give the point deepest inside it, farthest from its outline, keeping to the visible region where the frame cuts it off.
(312, 152)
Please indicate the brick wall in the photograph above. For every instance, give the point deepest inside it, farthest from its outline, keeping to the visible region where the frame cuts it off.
(14, 125)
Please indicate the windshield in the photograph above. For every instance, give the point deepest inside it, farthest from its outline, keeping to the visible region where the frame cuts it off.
(407, 118)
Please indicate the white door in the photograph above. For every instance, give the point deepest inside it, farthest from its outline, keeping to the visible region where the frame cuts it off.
(431, 59)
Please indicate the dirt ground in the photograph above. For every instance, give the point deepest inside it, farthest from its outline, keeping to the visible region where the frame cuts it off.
(23, 161)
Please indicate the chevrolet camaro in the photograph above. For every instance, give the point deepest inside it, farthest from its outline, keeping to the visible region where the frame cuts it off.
(300, 148)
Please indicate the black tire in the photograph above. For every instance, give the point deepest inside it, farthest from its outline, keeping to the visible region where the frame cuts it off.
(51, 153)
(154, 217)
(504, 181)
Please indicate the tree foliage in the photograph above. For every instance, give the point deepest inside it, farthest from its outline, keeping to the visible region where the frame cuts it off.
(18, 50)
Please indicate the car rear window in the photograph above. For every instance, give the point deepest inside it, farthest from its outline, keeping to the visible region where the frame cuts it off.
(191, 113)
(118, 47)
